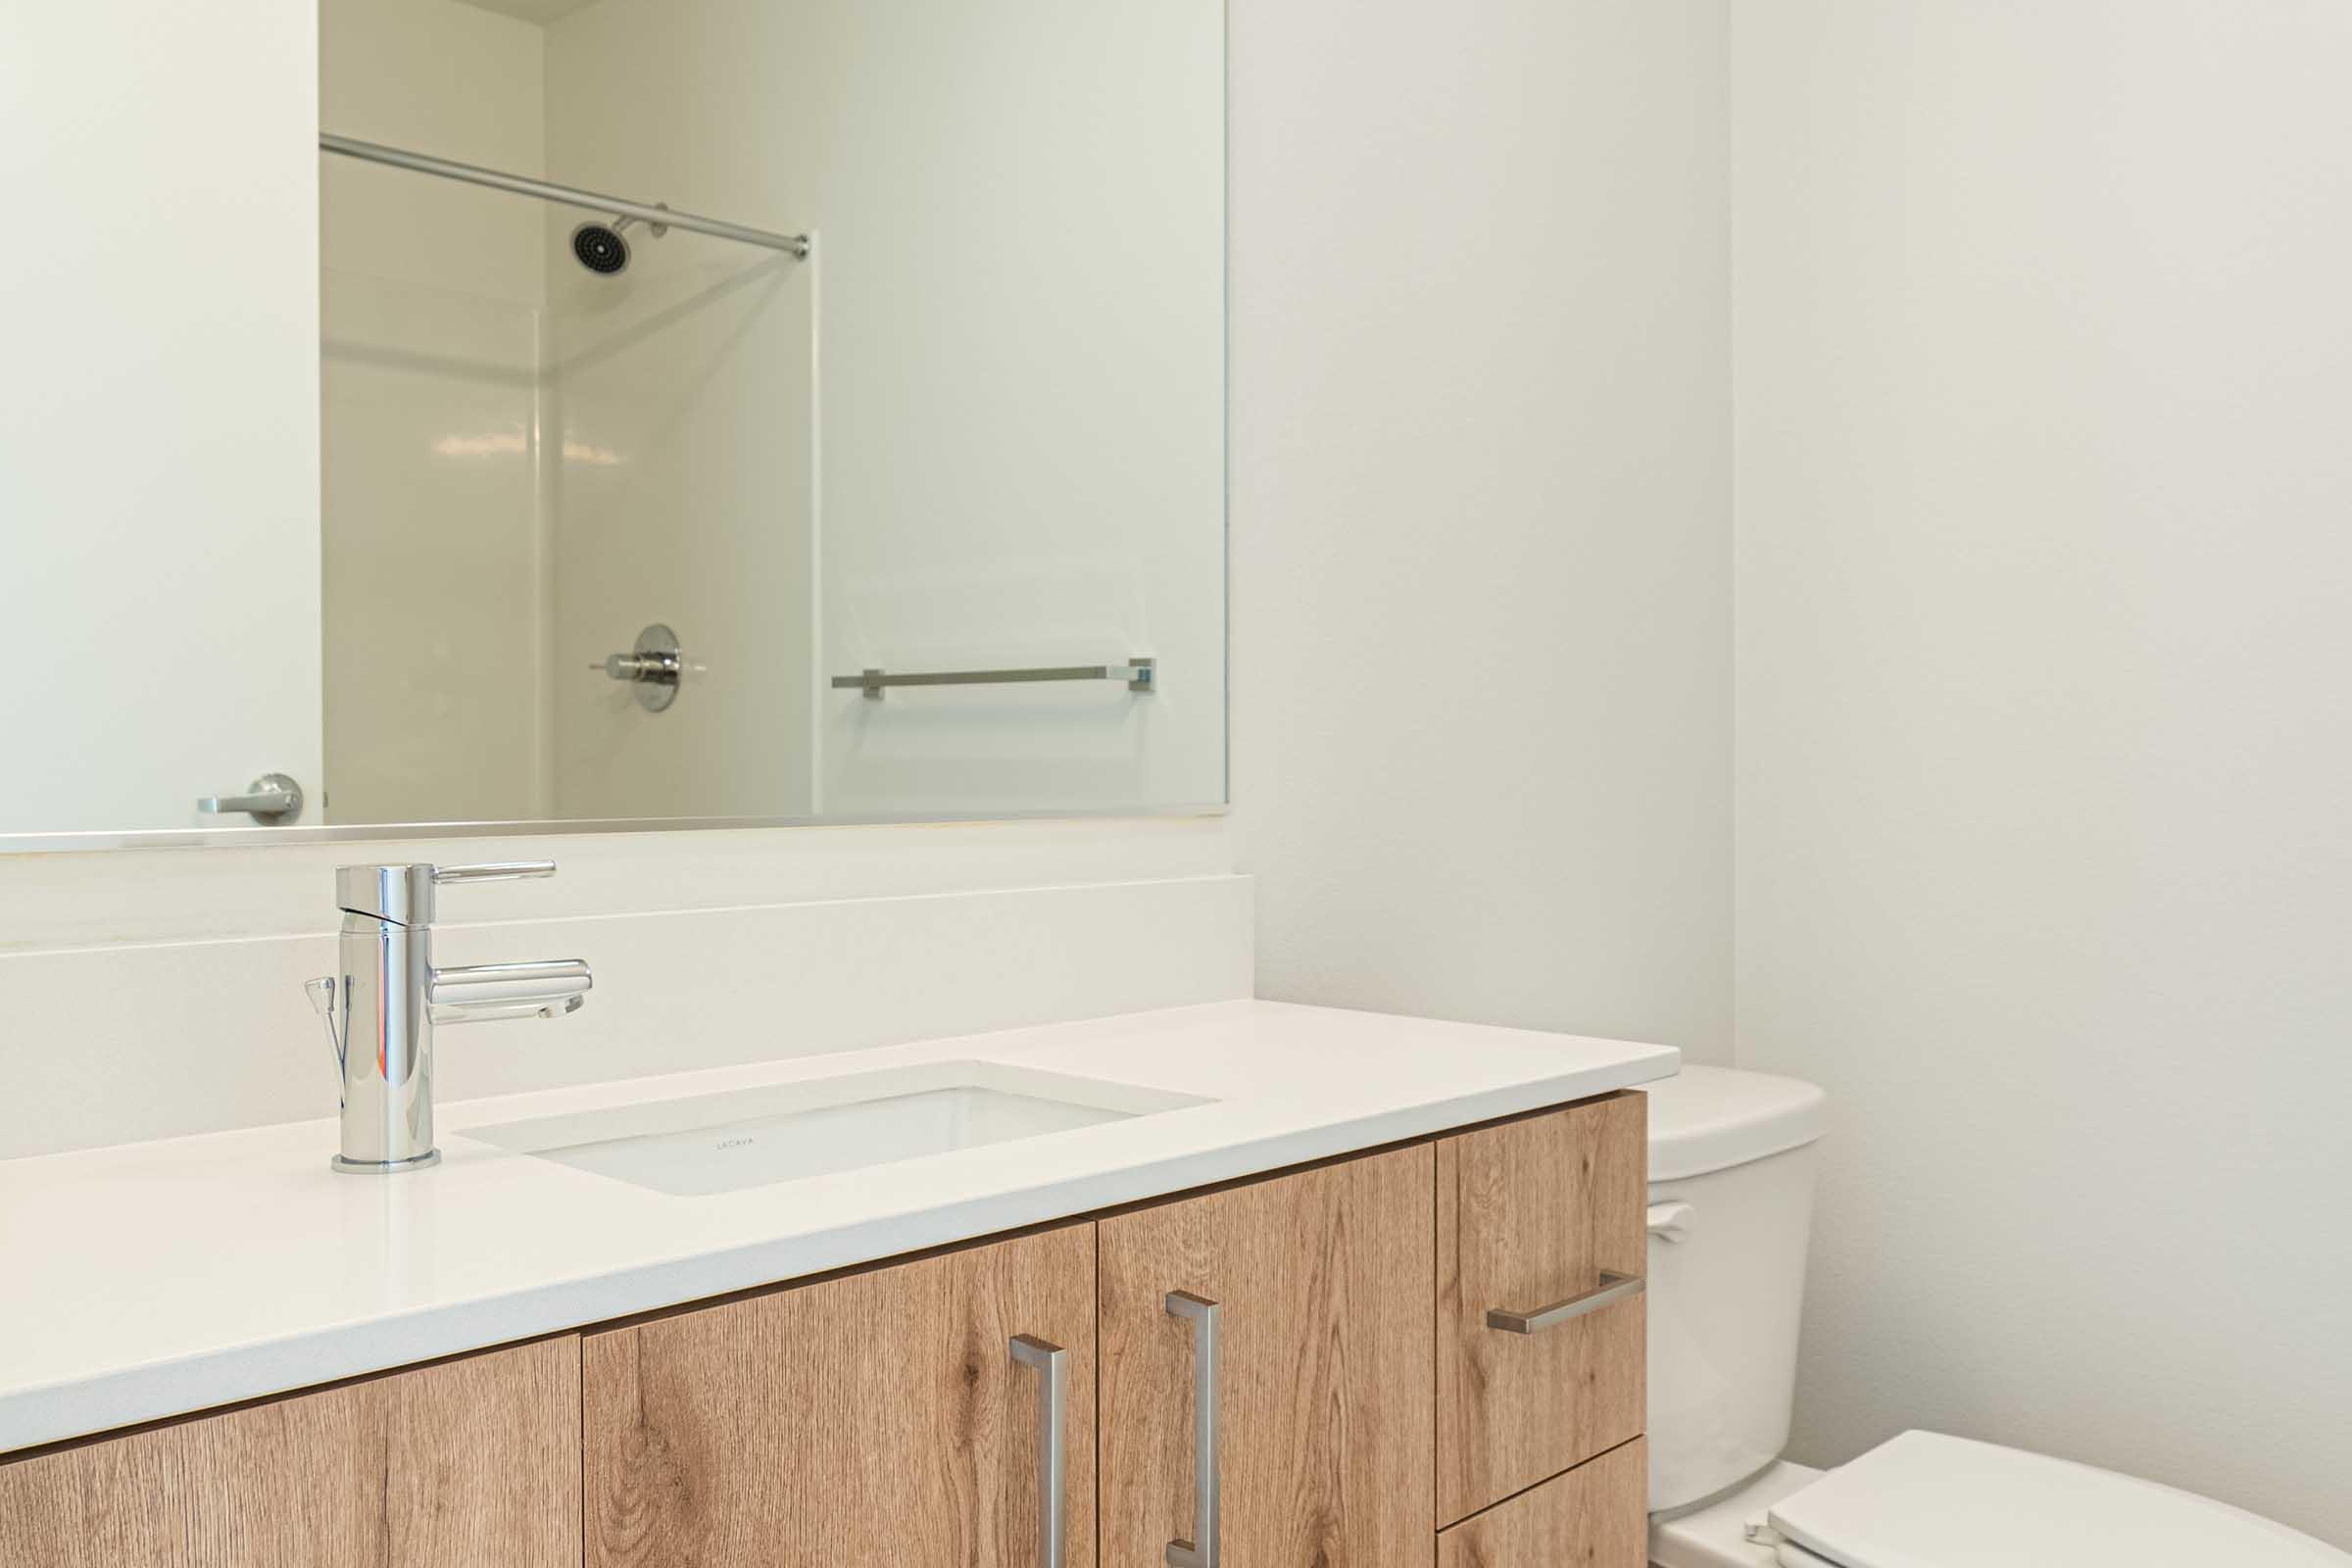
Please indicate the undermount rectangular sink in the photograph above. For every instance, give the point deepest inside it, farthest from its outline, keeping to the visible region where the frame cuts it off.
(783, 1132)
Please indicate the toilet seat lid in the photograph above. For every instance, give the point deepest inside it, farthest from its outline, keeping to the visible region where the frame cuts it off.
(1926, 1500)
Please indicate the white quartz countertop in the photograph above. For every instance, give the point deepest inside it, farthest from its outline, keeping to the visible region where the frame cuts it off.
(149, 1280)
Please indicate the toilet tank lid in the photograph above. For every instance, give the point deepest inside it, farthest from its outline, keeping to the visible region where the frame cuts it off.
(1924, 1499)
(1711, 1118)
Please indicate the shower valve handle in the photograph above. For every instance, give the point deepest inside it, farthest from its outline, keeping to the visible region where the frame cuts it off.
(640, 666)
(653, 668)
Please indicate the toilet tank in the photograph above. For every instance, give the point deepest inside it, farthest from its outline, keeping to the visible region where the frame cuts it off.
(1731, 1204)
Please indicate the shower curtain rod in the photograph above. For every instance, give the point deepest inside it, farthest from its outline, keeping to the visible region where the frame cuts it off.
(563, 195)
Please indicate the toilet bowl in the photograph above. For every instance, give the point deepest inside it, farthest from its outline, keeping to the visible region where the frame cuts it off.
(1731, 1196)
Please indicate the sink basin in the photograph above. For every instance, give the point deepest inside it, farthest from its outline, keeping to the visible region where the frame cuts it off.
(782, 1132)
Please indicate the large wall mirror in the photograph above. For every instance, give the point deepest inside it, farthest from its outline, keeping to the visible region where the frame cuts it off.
(802, 409)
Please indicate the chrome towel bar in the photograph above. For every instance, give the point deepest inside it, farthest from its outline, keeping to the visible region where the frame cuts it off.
(1139, 674)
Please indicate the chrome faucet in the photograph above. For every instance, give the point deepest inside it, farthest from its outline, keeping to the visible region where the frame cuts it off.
(388, 988)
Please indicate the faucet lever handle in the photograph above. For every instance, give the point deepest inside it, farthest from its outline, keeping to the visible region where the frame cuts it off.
(321, 992)
(495, 871)
(404, 894)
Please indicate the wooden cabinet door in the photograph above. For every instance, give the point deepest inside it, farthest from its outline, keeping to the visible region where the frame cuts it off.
(1596, 1516)
(875, 1418)
(1532, 1213)
(474, 1461)
(1323, 1397)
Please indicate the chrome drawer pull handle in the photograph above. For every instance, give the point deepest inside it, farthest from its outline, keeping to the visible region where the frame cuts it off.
(1613, 1288)
(1053, 1364)
(1201, 1551)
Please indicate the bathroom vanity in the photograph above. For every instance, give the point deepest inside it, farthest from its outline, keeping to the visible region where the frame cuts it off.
(1368, 1288)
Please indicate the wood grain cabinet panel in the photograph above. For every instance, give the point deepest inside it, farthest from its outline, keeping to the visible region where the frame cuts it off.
(875, 1418)
(474, 1461)
(1531, 1212)
(1321, 1281)
(1592, 1517)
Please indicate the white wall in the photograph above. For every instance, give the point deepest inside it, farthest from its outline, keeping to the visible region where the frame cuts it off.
(159, 404)
(432, 298)
(2045, 374)
(1481, 497)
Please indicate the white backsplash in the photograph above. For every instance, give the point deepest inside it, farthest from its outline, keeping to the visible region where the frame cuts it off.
(149, 994)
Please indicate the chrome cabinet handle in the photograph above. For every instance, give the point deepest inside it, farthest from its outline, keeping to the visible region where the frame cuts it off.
(271, 798)
(1613, 1288)
(1053, 1364)
(1201, 1551)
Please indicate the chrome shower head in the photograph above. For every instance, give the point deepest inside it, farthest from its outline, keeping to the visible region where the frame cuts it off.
(599, 248)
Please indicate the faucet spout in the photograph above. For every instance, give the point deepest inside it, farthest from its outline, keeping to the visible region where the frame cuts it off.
(481, 993)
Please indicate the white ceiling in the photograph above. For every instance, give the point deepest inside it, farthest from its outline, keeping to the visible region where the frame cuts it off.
(539, 10)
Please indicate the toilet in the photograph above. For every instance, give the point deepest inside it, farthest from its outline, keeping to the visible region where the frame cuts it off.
(1730, 1197)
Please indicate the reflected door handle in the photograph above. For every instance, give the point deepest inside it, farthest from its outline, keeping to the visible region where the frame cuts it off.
(272, 798)
(1201, 1551)
(1053, 1364)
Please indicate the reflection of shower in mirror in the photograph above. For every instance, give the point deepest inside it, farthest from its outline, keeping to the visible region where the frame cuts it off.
(599, 248)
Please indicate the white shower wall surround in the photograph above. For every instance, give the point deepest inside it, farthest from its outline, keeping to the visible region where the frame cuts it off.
(525, 463)
(433, 382)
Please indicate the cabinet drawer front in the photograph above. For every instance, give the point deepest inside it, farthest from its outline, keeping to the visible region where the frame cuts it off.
(1321, 1389)
(874, 1418)
(1533, 1213)
(471, 1461)
(1592, 1517)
